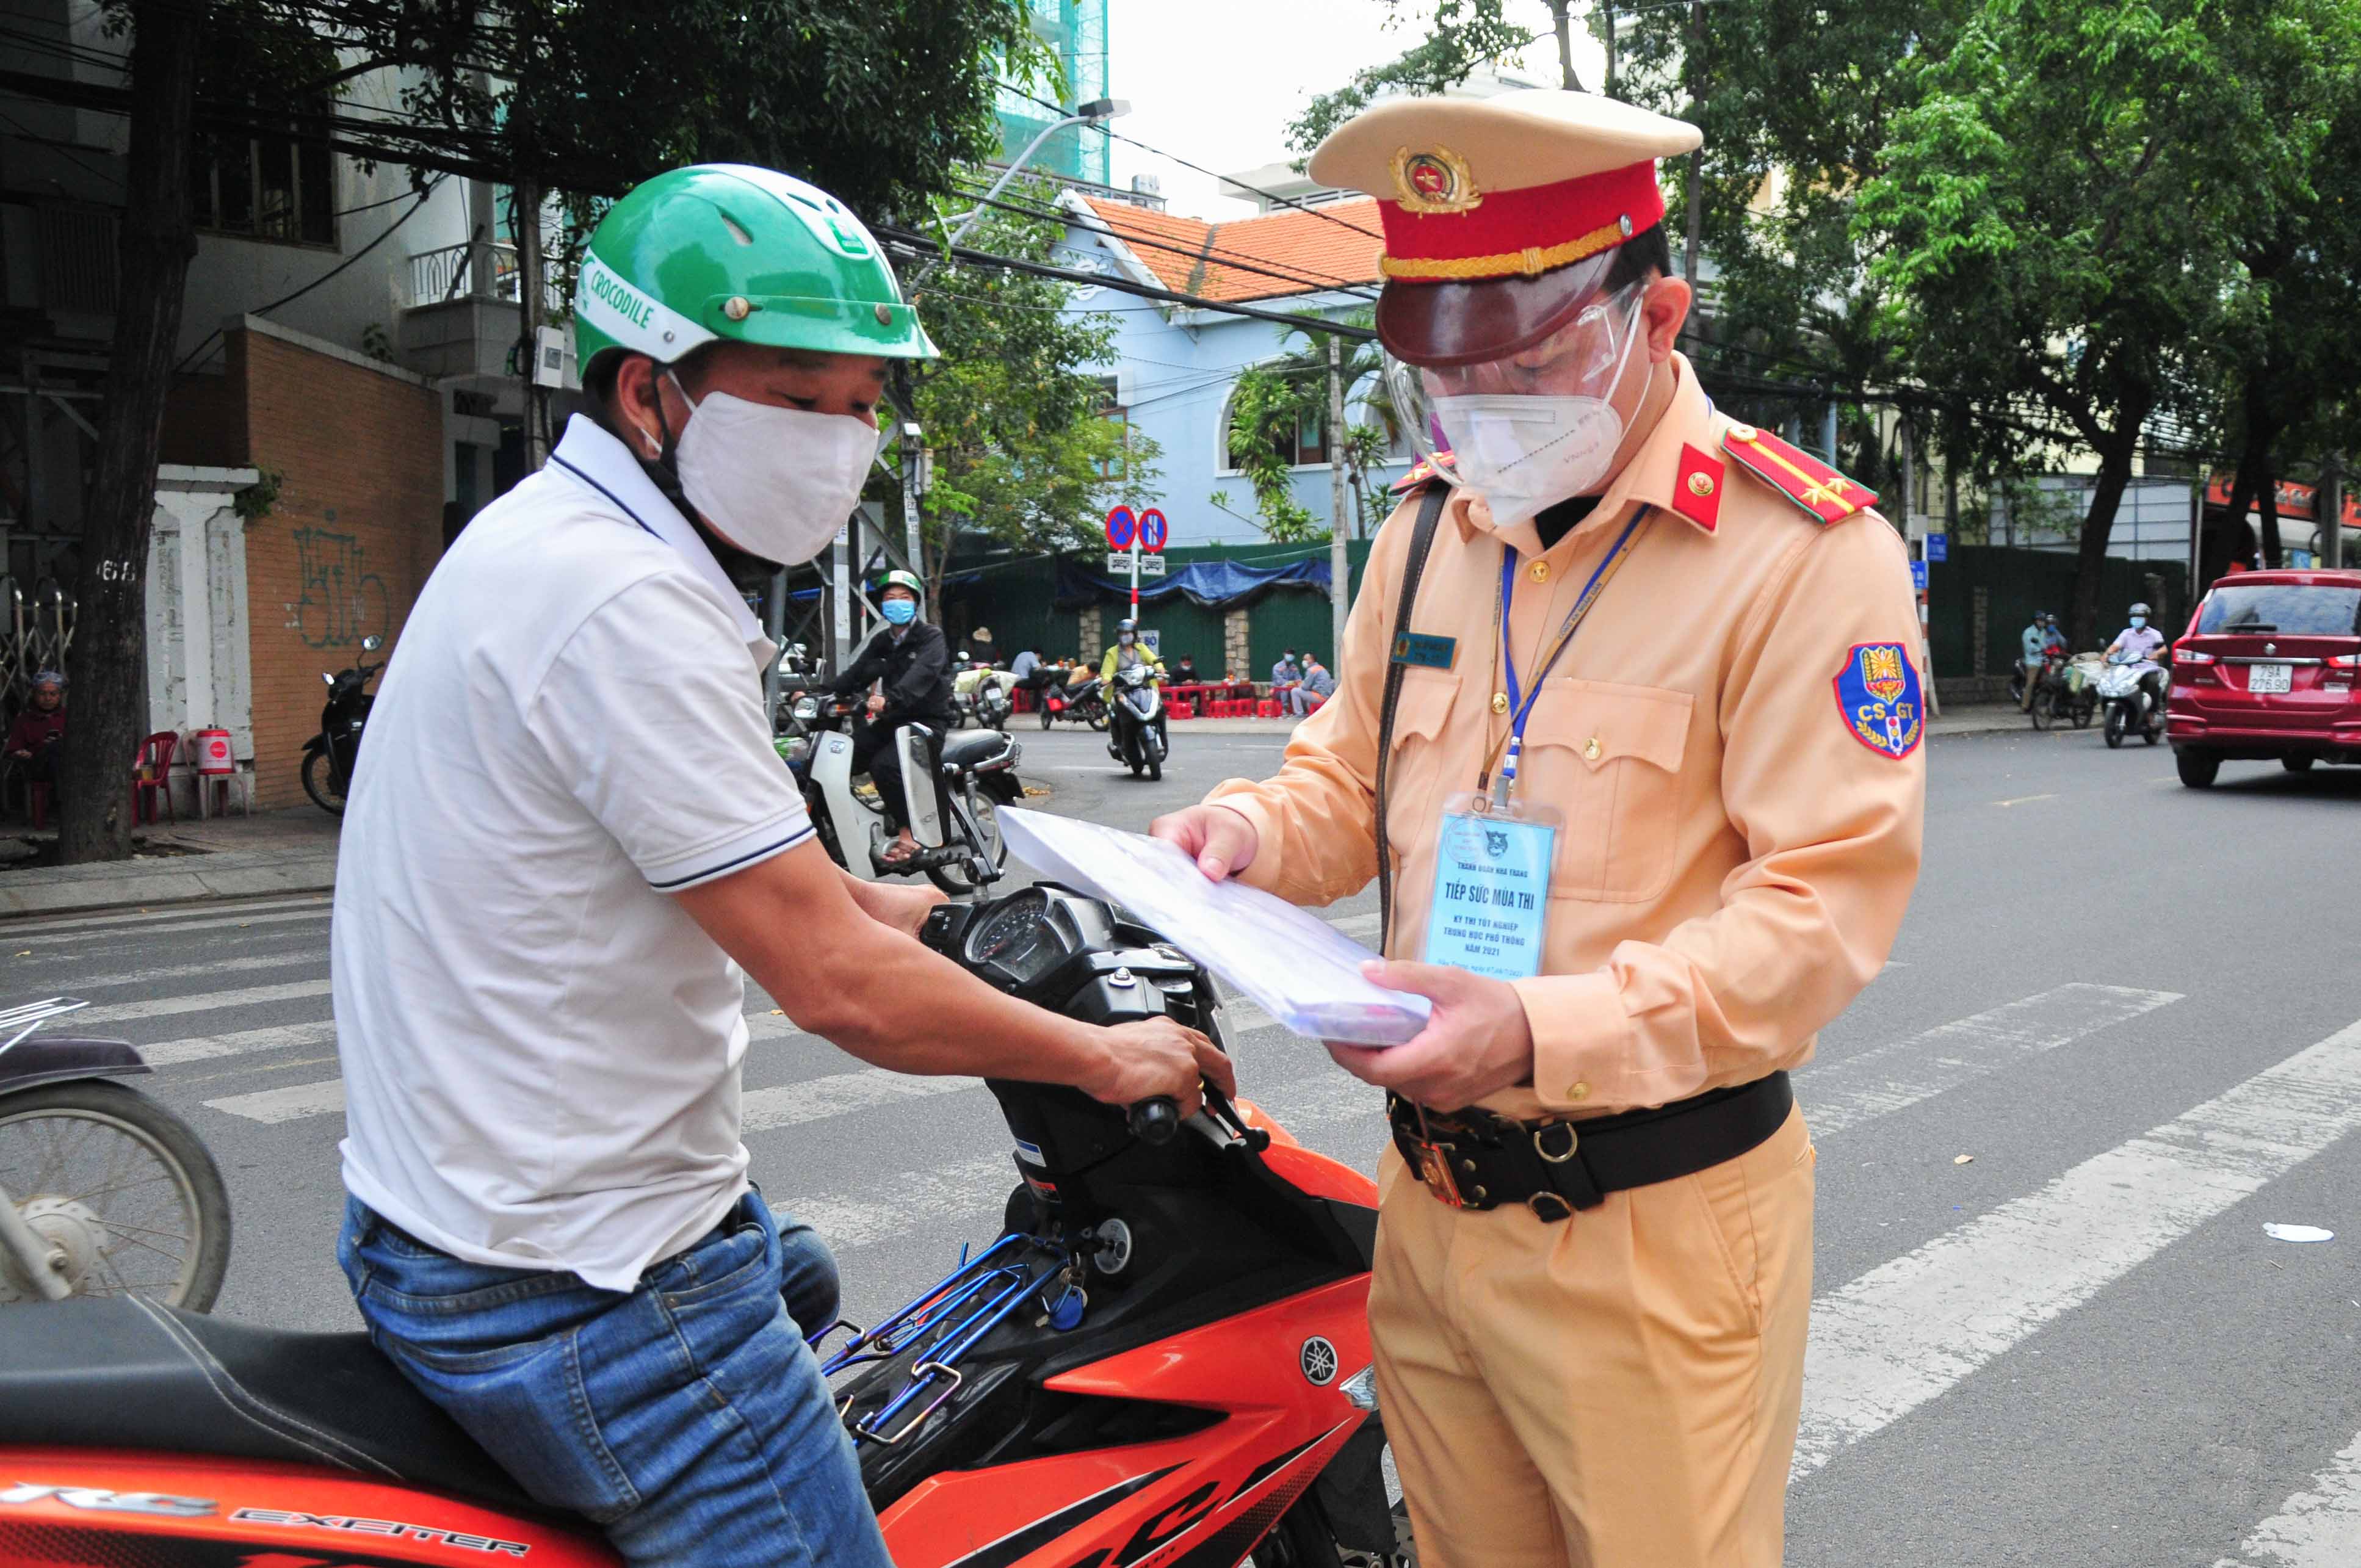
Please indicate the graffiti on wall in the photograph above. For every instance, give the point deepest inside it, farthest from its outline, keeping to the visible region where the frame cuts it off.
(343, 600)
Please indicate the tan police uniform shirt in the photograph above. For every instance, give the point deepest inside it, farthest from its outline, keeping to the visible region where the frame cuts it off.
(1736, 855)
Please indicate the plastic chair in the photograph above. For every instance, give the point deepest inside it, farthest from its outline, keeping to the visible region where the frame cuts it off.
(151, 772)
(1268, 707)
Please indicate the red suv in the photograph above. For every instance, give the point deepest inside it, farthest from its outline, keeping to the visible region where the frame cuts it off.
(2266, 670)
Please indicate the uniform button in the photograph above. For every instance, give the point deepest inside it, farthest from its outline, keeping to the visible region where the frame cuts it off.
(1579, 1091)
(1700, 485)
(1590, 750)
(1541, 571)
(1743, 432)
(1499, 702)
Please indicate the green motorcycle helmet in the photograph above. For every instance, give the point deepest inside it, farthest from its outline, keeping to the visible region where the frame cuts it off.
(729, 252)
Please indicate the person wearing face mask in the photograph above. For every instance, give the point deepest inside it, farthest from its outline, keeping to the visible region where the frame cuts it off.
(558, 872)
(909, 662)
(2141, 643)
(1628, 729)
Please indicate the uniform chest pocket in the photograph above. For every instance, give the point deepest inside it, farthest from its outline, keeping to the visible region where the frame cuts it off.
(1414, 774)
(1608, 758)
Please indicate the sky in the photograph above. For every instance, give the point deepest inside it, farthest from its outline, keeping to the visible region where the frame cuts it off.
(1215, 82)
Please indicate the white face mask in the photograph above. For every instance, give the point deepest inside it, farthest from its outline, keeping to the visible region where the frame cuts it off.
(777, 483)
(1525, 452)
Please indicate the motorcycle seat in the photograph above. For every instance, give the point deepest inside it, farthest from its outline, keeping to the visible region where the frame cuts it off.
(973, 748)
(123, 1372)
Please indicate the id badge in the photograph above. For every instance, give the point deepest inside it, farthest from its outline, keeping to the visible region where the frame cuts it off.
(1491, 886)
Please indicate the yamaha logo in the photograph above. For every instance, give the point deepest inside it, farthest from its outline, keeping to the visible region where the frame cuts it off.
(1318, 1360)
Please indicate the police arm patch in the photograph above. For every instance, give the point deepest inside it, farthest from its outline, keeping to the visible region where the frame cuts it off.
(1879, 699)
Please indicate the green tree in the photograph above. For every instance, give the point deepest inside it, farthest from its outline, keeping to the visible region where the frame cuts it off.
(2054, 217)
(1459, 36)
(878, 100)
(1272, 403)
(1025, 450)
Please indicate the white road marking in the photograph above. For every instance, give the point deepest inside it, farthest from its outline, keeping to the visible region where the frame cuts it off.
(969, 1189)
(2320, 1527)
(1889, 1077)
(292, 1103)
(190, 971)
(204, 1048)
(1903, 1334)
(2025, 799)
(199, 1002)
(840, 1094)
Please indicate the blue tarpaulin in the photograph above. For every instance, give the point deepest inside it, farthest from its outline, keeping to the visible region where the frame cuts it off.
(1221, 584)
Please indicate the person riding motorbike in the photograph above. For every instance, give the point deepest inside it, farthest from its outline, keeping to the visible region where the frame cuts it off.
(910, 661)
(2141, 644)
(2035, 643)
(541, 941)
(1127, 651)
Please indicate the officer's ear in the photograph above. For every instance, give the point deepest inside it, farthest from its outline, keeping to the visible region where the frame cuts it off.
(1663, 311)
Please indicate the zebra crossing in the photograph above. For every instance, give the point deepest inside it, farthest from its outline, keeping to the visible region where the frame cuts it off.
(1973, 1291)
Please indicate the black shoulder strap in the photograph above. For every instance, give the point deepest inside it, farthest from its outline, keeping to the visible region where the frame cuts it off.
(1422, 541)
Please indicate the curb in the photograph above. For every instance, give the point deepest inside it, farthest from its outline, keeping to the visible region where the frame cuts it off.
(82, 895)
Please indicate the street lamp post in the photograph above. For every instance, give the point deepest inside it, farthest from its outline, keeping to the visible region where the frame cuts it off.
(1096, 112)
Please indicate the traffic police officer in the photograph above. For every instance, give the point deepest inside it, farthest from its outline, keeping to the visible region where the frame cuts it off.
(1646, 863)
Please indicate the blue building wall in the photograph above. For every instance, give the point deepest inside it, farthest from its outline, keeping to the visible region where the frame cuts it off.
(1174, 370)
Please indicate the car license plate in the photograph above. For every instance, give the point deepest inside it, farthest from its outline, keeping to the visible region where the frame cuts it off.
(2269, 678)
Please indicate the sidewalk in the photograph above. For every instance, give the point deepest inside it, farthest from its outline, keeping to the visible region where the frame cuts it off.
(292, 851)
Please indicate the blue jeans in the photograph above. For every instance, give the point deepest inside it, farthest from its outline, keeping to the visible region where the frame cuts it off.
(687, 1419)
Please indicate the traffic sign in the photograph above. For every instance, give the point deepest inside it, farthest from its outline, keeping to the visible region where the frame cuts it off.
(1939, 547)
(1119, 563)
(1153, 530)
(1919, 575)
(1122, 528)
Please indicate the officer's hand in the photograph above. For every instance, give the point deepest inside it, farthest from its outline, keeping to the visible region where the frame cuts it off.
(1221, 841)
(1477, 1043)
(1157, 1056)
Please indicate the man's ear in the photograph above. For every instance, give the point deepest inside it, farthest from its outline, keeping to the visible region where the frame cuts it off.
(636, 405)
(1666, 310)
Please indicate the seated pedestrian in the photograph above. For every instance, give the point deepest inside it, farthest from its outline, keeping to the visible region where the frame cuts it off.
(1184, 671)
(1316, 687)
(1285, 673)
(40, 731)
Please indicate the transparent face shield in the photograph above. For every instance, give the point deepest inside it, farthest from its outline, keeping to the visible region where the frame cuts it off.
(1525, 425)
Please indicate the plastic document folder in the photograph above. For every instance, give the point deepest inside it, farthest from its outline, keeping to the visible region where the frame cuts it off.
(1293, 965)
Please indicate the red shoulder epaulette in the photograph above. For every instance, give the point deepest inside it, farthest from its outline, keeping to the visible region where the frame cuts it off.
(1796, 474)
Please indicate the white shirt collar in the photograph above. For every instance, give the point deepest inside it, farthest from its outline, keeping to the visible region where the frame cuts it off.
(588, 454)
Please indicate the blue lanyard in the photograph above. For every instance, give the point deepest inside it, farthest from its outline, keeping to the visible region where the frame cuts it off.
(1520, 702)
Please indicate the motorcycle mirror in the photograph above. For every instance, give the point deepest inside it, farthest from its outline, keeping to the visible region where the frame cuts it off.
(327, 679)
(371, 644)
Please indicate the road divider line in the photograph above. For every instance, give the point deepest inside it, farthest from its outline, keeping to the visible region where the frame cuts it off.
(1908, 1332)
(2320, 1527)
(1895, 1076)
(166, 921)
(204, 1048)
(79, 983)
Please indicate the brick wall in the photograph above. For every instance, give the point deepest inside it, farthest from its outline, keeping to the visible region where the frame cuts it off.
(343, 552)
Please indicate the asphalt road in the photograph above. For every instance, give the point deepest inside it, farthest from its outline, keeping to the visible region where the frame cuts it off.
(2134, 1006)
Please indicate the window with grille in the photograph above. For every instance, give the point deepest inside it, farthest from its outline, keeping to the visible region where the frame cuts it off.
(266, 187)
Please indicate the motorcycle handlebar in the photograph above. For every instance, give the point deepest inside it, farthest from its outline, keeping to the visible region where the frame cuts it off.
(1155, 1120)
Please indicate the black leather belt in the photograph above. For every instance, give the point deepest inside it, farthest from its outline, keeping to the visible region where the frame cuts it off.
(1474, 1159)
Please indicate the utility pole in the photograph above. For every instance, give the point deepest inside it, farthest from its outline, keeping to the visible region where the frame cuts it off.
(1609, 12)
(1560, 15)
(1340, 560)
(2331, 511)
(911, 458)
(526, 217)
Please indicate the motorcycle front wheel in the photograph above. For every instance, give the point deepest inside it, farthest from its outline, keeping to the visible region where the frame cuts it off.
(2114, 725)
(1098, 721)
(2045, 709)
(319, 776)
(119, 1186)
(1048, 718)
(2084, 707)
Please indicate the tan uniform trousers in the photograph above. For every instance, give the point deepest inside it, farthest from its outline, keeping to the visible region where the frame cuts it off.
(1617, 1390)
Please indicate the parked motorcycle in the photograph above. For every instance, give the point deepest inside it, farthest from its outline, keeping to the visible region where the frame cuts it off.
(1136, 736)
(1164, 1358)
(953, 786)
(1078, 702)
(2133, 704)
(102, 1192)
(329, 756)
(980, 695)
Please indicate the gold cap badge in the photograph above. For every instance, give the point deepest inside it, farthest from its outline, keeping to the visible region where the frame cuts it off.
(1434, 180)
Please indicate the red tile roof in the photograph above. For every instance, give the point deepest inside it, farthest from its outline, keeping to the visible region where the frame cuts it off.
(1291, 251)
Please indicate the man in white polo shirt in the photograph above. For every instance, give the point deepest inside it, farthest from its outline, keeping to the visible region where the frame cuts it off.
(570, 822)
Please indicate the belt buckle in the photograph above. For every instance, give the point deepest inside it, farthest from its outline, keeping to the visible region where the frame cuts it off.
(1434, 1171)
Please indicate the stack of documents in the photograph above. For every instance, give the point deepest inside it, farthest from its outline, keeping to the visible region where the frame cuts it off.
(1290, 963)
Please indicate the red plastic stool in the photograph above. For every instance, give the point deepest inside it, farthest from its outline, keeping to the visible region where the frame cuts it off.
(1175, 710)
(1267, 708)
